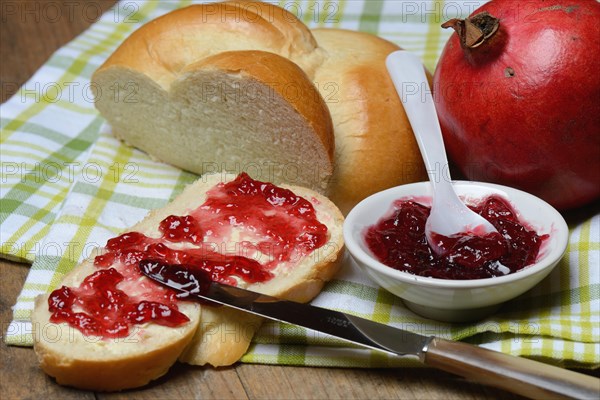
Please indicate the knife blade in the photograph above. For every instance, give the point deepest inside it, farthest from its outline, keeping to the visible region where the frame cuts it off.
(519, 375)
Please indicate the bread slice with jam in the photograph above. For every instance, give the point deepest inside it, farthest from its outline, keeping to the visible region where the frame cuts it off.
(107, 327)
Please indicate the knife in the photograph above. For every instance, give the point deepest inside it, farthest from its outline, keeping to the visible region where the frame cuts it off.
(515, 374)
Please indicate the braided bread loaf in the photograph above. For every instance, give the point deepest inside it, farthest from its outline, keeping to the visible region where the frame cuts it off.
(246, 86)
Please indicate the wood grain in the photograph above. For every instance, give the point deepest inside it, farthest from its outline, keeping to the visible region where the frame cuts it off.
(25, 43)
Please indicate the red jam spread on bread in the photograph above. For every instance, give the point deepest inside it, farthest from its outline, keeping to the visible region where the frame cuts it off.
(398, 241)
(276, 227)
(106, 311)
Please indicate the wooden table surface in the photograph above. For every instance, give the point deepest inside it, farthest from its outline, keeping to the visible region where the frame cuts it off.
(27, 40)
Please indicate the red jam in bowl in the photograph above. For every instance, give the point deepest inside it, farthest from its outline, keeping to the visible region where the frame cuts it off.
(398, 241)
(279, 227)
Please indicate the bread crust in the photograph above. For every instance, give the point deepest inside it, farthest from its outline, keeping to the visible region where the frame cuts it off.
(205, 29)
(375, 145)
(217, 336)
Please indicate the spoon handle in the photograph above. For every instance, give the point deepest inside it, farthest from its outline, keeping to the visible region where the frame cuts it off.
(410, 80)
(448, 216)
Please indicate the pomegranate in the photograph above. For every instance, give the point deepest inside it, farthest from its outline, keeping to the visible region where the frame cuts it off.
(517, 90)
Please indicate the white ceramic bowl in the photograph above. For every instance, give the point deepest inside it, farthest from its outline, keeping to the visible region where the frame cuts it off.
(457, 300)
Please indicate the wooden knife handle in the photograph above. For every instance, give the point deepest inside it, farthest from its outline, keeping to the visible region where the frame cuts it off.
(515, 374)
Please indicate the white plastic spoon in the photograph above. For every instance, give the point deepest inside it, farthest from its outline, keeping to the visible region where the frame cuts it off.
(449, 216)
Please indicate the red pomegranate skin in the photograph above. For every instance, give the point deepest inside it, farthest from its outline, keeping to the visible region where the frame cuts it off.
(523, 109)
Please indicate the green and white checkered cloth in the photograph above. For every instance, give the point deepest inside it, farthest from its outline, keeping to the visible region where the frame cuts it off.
(68, 185)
